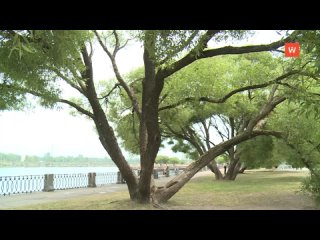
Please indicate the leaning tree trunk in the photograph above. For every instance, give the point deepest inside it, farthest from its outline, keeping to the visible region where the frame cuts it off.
(163, 194)
(214, 168)
(173, 186)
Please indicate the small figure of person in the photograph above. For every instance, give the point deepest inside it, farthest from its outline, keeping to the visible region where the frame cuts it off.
(175, 169)
(167, 171)
(225, 168)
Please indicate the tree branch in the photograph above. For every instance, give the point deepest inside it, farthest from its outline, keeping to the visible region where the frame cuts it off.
(191, 56)
(215, 125)
(110, 92)
(91, 50)
(233, 92)
(129, 90)
(195, 138)
(276, 50)
(116, 47)
(267, 108)
(225, 122)
(187, 138)
(72, 104)
(67, 80)
(80, 109)
(207, 134)
(181, 47)
(305, 161)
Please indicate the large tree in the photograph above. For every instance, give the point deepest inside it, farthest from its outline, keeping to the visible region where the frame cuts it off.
(193, 127)
(47, 58)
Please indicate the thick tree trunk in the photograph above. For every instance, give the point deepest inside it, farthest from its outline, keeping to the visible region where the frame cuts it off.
(234, 161)
(105, 131)
(118, 158)
(214, 168)
(233, 169)
(150, 138)
(236, 171)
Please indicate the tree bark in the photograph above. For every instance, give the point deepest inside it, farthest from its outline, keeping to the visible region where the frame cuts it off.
(214, 168)
(236, 171)
(150, 138)
(233, 167)
(105, 131)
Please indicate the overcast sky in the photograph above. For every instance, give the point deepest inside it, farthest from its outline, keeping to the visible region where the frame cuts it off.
(42, 131)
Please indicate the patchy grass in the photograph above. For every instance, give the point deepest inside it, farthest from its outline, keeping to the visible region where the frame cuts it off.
(253, 190)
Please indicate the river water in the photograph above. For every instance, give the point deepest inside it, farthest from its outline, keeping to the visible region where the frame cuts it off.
(22, 171)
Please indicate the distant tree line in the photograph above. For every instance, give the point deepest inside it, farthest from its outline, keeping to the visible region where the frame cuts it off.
(15, 160)
(169, 160)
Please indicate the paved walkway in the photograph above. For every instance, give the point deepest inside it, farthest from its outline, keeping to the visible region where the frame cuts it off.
(19, 200)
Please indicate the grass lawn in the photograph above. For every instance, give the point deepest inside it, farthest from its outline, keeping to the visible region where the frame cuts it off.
(253, 190)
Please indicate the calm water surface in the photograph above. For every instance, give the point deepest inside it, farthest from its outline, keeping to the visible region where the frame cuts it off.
(21, 171)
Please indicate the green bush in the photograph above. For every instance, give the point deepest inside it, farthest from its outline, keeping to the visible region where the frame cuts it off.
(311, 185)
(221, 159)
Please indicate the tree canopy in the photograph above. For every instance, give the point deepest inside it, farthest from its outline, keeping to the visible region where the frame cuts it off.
(183, 82)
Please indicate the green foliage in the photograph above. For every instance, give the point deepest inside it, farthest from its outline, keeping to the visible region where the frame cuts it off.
(311, 185)
(214, 78)
(168, 45)
(10, 98)
(33, 60)
(222, 159)
(309, 44)
(185, 147)
(120, 111)
(165, 45)
(129, 126)
(256, 153)
(301, 141)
